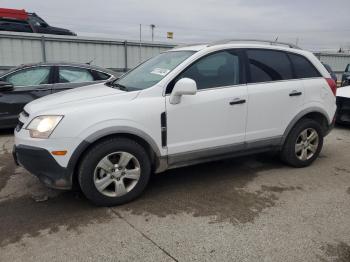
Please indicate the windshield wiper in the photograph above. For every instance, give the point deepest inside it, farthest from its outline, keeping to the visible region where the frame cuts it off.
(121, 87)
(116, 85)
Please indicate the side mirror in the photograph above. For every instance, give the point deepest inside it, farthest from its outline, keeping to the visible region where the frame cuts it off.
(184, 86)
(5, 86)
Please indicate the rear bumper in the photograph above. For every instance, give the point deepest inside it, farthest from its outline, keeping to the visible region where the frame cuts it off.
(40, 163)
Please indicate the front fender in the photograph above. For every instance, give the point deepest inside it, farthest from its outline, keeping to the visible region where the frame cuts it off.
(110, 127)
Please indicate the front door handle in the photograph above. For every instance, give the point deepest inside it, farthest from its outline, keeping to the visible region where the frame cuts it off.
(295, 93)
(237, 101)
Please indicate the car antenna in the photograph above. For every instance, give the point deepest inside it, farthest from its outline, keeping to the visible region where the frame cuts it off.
(89, 63)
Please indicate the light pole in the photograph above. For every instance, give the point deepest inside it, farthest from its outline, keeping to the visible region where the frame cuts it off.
(152, 28)
(140, 45)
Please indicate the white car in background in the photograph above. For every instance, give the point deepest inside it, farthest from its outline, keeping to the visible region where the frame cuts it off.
(185, 106)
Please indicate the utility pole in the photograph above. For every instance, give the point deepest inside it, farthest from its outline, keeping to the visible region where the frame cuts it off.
(140, 45)
(152, 28)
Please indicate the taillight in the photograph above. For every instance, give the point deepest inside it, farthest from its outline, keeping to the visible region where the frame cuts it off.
(333, 85)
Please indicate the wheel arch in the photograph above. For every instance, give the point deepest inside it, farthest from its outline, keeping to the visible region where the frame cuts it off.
(317, 114)
(140, 137)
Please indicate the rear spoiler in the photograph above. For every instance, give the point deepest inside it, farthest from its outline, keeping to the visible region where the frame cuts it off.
(13, 14)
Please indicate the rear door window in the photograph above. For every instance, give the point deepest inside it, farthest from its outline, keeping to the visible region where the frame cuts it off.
(268, 65)
(303, 67)
(30, 76)
(74, 75)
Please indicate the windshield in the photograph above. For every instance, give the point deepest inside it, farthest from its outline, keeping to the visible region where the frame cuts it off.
(152, 71)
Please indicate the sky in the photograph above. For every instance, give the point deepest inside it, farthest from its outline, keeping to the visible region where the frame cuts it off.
(315, 25)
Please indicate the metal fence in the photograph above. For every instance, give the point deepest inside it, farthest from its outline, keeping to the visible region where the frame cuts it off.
(119, 55)
(23, 48)
(337, 61)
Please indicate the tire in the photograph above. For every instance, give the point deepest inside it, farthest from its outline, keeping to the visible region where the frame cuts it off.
(293, 151)
(106, 163)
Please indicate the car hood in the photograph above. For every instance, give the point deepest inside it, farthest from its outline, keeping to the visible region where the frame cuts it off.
(344, 92)
(82, 95)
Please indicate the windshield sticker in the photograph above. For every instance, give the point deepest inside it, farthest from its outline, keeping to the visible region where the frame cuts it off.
(160, 71)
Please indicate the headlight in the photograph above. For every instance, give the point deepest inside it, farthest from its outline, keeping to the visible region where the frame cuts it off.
(42, 126)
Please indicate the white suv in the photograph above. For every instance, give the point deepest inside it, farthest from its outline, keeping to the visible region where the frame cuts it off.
(184, 106)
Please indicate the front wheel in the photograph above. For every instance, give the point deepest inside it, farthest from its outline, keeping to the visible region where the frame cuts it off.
(303, 144)
(114, 172)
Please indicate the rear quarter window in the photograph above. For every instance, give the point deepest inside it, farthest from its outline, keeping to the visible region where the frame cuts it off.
(98, 76)
(303, 68)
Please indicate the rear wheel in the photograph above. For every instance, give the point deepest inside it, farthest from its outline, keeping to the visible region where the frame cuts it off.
(303, 144)
(114, 172)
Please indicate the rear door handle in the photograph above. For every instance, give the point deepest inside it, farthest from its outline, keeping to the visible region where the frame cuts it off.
(295, 93)
(237, 101)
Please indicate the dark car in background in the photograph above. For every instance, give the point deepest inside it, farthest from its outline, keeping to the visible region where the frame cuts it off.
(26, 83)
(331, 72)
(343, 105)
(345, 81)
(21, 21)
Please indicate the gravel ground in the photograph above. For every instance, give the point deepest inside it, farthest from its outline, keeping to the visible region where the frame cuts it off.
(245, 209)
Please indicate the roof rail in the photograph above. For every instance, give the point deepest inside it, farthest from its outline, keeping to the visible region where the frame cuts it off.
(186, 45)
(227, 41)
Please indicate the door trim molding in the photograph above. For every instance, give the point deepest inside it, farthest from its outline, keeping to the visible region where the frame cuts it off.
(222, 152)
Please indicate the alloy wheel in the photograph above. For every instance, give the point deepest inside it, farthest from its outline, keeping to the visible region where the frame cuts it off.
(307, 144)
(117, 174)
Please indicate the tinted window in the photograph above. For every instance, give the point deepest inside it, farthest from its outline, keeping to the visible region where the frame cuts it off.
(303, 67)
(215, 70)
(268, 65)
(347, 68)
(29, 77)
(100, 76)
(74, 75)
(14, 25)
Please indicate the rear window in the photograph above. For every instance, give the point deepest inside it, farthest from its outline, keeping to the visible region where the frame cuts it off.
(347, 68)
(74, 75)
(303, 67)
(268, 65)
(100, 75)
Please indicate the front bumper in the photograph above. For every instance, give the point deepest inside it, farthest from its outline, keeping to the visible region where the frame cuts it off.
(343, 110)
(41, 163)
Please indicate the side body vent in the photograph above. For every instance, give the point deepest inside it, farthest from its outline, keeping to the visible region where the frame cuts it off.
(163, 126)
